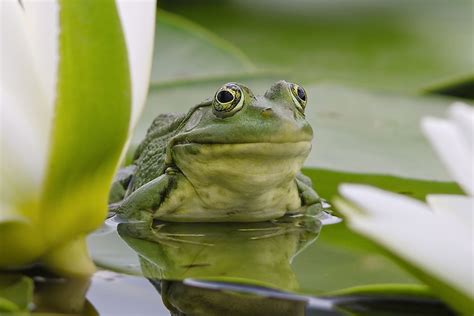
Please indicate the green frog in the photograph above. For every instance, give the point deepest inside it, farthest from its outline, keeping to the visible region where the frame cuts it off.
(233, 158)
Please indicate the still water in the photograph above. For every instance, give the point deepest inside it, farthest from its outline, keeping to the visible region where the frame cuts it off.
(280, 267)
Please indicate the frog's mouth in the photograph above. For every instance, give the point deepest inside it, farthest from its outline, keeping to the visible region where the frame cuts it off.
(258, 151)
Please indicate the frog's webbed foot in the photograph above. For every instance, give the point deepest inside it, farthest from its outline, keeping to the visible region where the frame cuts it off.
(310, 200)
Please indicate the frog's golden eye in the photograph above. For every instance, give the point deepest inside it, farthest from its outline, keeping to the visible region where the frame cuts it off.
(299, 96)
(228, 100)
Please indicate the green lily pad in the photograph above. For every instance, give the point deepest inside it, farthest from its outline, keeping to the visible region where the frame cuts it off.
(463, 88)
(327, 182)
(369, 132)
(185, 51)
(392, 45)
(16, 293)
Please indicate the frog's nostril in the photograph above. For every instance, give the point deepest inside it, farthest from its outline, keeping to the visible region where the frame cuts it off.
(267, 112)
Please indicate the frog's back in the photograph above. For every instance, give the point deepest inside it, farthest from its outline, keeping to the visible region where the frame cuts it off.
(150, 155)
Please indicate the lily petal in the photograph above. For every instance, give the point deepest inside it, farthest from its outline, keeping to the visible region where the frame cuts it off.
(138, 23)
(25, 122)
(458, 208)
(42, 18)
(372, 198)
(452, 141)
(395, 222)
(66, 113)
(463, 115)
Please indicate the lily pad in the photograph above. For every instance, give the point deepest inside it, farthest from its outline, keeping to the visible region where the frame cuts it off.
(185, 51)
(16, 293)
(391, 45)
(327, 182)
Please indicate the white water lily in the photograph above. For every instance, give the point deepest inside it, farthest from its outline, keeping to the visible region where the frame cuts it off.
(74, 77)
(434, 238)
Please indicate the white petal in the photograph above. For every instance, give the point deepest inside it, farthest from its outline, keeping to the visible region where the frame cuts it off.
(370, 199)
(449, 140)
(42, 18)
(22, 157)
(424, 240)
(463, 116)
(138, 22)
(25, 112)
(457, 208)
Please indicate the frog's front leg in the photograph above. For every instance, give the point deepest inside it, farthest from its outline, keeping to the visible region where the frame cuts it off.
(310, 200)
(141, 204)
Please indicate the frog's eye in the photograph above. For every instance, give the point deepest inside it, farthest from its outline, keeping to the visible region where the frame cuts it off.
(228, 100)
(299, 96)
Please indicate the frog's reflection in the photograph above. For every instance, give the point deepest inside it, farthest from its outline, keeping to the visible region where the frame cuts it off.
(257, 254)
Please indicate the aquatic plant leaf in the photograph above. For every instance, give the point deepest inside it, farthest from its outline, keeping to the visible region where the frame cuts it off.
(16, 293)
(404, 46)
(185, 51)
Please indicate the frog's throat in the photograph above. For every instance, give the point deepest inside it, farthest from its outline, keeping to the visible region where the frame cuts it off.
(256, 177)
(259, 164)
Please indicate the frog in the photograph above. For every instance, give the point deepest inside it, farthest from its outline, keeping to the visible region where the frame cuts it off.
(235, 157)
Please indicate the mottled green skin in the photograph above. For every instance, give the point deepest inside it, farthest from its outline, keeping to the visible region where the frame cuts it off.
(150, 155)
(201, 166)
